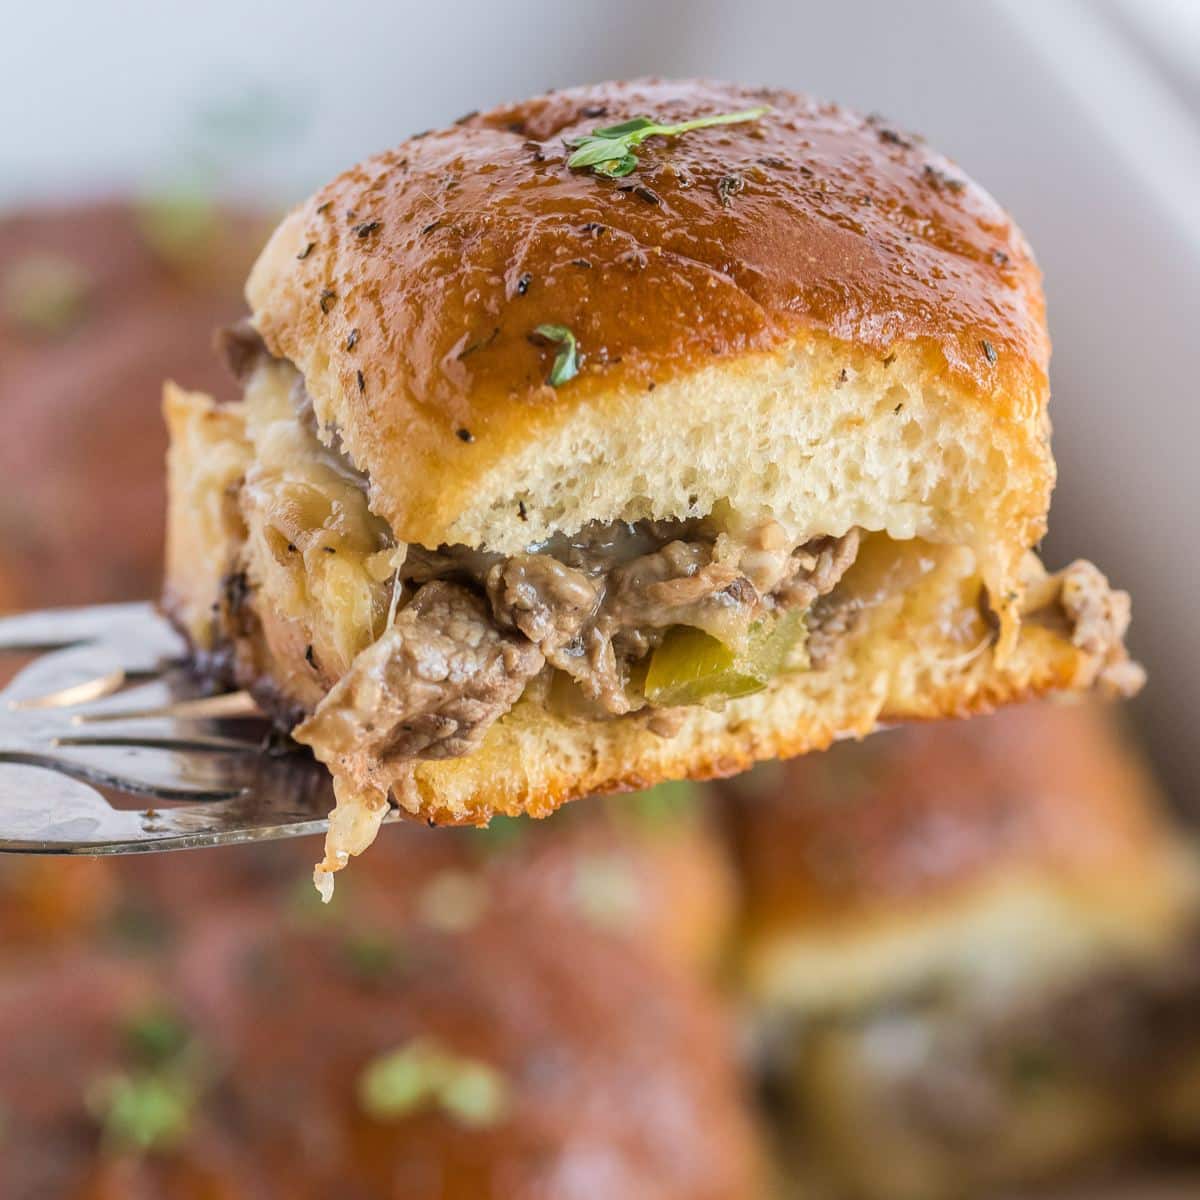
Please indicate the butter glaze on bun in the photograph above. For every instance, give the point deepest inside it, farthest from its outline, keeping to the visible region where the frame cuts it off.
(714, 331)
(976, 944)
(874, 868)
(810, 409)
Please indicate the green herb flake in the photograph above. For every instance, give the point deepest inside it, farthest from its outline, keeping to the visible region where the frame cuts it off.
(46, 293)
(180, 226)
(372, 956)
(143, 1111)
(423, 1076)
(667, 806)
(567, 360)
(474, 1094)
(609, 153)
(156, 1035)
(501, 833)
(400, 1083)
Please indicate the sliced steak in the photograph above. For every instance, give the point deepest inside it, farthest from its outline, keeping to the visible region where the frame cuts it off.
(818, 569)
(680, 585)
(430, 687)
(596, 603)
(545, 599)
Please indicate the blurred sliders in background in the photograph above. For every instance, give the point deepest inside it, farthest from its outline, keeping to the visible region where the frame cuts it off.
(974, 946)
(983, 973)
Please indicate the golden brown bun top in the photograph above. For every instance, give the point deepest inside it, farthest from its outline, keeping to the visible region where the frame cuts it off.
(605, 1057)
(910, 817)
(409, 286)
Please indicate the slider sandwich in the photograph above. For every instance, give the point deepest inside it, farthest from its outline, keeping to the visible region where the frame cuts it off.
(481, 1048)
(628, 433)
(975, 948)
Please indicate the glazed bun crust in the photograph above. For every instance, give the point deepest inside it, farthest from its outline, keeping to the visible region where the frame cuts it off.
(876, 865)
(406, 292)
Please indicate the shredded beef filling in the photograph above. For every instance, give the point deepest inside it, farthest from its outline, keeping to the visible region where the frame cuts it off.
(479, 626)
(1119, 1029)
(597, 603)
(431, 685)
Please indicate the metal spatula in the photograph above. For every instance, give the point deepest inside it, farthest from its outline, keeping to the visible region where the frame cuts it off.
(108, 703)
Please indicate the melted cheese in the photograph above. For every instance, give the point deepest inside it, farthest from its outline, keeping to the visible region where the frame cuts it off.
(315, 547)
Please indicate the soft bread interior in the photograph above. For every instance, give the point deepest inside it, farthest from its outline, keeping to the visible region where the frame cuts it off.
(207, 461)
(978, 937)
(818, 436)
(920, 645)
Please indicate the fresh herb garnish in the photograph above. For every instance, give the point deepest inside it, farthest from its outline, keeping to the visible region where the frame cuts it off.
(46, 293)
(181, 226)
(372, 956)
(148, 1110)
(502, 833)
(566, 361)
(609, 151)
(666, 806)
(156, 1034)
(424, 1075)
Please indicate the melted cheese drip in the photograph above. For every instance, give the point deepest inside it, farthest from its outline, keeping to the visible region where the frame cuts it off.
(353, 826)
